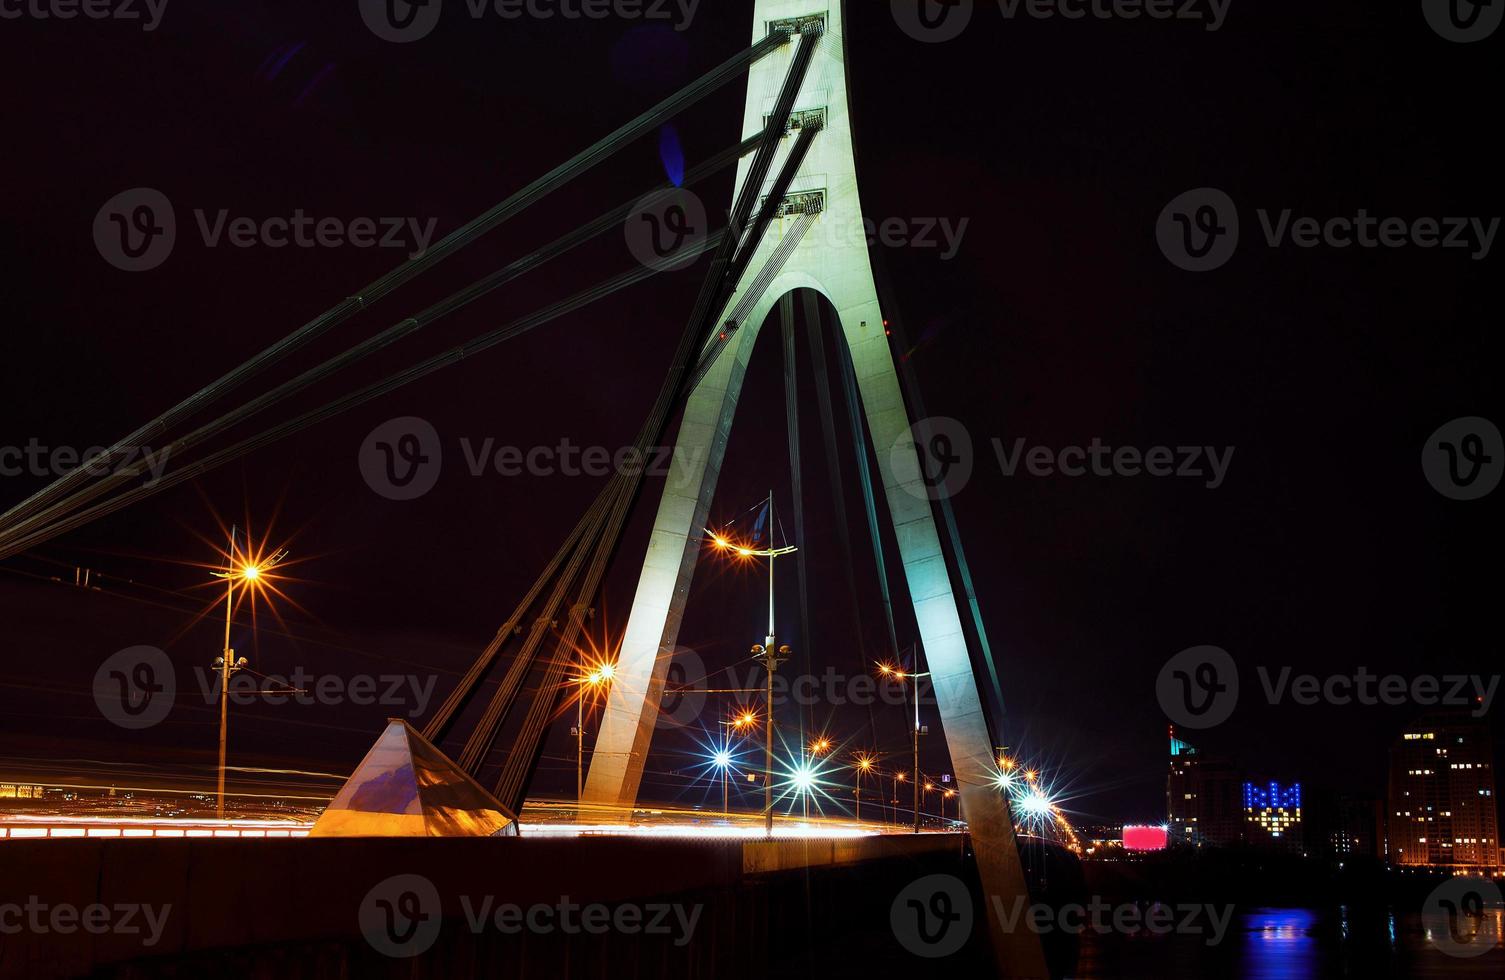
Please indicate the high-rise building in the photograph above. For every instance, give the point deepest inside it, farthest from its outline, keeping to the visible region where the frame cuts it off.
(1204, 804)
(1442, 808)
(1272, 816)
(1355, 827)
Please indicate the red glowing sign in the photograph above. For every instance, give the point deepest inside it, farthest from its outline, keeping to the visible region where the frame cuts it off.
(1144, 838)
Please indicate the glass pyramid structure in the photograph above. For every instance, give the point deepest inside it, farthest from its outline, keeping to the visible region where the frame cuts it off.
(406, 787)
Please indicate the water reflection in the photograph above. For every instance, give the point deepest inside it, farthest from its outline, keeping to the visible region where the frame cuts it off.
(1279, 944)
(1374, 942)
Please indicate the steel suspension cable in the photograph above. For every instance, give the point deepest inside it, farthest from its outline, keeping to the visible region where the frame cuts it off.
(450, 304)
(352, 400)
(556, 178)
(715, 292)
(511, 784)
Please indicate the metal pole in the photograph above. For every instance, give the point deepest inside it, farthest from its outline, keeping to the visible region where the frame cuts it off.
(859, 796)
(224, 682)
(579, 752)
(917, 755)
(771, 652)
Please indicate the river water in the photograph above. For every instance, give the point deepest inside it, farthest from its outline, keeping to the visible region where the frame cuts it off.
(1298, 943)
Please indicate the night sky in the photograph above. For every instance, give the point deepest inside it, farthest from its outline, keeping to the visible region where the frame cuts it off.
(1058, 321)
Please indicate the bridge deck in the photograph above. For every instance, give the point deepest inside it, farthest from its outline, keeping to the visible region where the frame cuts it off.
(262, 901)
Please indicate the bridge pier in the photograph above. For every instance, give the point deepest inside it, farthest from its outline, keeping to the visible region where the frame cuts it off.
(832, 259)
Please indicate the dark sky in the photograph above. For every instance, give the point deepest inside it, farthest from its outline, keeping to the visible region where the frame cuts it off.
(1058, 321)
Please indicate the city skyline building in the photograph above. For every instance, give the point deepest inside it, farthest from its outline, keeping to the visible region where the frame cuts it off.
(1442, 808)
(1204, 803)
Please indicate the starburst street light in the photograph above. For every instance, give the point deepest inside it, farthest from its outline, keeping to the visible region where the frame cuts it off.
(769, 653)
(863, 765)
(892, 672)
(248, 569)
(591, 682)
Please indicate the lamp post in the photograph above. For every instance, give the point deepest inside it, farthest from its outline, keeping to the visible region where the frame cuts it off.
(818, 748)
(864, 764)
(248, 573)
(593, 682)
(898, 778)
(902, 676)
(769, 653)
(723, 758)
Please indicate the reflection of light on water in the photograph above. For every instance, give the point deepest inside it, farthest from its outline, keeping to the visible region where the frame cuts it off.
(1280, 945)
(1483, 930)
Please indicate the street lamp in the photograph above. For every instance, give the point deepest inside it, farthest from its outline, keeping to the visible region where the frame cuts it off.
(769, 653)
(248, 572)
(722, 758)
(899, 674)
(864, 765)
(944, 797)
(602, 675)
(898, 778)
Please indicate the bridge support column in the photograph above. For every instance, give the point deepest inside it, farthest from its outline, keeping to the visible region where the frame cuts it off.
(832, 259)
